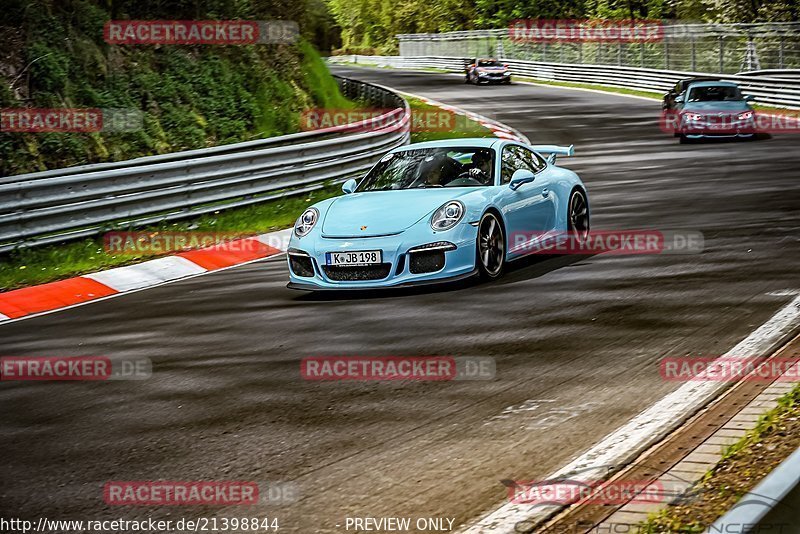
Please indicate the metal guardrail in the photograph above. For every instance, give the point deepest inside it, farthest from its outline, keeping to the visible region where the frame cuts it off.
(769, 506)
(54, 206)
(773, 90)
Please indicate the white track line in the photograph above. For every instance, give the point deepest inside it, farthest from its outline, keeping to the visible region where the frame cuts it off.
(650, 426)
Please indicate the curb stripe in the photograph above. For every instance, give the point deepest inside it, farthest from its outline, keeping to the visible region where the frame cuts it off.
(119, 280)
(147, 274)
(230, 253)
(51, 296)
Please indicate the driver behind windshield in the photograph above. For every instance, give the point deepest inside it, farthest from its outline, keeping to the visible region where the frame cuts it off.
(480, 168)
(430, 167)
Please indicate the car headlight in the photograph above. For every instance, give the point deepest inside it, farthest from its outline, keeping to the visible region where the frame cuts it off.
(306, 222)
(447, 216)
(481, 73)
(746, 115)
(694, 116)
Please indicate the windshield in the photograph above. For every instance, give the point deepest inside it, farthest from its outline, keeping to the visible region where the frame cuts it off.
(714, 93)
(431, 167)
(489, 63)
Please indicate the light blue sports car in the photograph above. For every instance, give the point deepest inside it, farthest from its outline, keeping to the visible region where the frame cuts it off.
(438, 211)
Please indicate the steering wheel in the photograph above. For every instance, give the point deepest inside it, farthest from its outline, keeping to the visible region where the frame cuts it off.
(463, 180)
(473, 174)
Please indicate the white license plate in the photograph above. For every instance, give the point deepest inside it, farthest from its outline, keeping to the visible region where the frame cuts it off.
(356, 257)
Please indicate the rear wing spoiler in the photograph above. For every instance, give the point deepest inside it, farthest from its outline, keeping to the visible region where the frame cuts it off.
(555, 149)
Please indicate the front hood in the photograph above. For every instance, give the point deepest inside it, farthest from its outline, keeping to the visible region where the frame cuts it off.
(717, 107)
(378, 213)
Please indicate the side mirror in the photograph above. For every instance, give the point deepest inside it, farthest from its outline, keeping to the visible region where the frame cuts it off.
(679, 99)
(349, 186)
(520, 176)
(749, 98)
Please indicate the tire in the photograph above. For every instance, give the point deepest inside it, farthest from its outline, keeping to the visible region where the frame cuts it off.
(490, 247)
(578, 223)
(684, 140)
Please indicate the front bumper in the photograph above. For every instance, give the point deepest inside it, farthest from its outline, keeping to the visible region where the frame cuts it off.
(399, 267)
(727, 128)
(494, 79)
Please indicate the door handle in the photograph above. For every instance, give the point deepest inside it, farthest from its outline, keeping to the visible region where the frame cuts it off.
(545, 192)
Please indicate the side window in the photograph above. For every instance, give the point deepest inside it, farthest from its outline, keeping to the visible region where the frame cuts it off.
(533, 160)
(516, 157)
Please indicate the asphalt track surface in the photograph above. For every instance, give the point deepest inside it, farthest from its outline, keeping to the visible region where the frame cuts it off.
(577, 341)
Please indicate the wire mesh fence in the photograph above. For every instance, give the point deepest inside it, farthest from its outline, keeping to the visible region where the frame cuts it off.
(712, 48)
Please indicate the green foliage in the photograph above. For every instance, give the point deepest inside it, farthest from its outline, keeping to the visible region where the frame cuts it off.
(371, 25)
(191, 96)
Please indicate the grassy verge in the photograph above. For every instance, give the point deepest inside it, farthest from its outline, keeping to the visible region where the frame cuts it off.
(46, 264)
(743, 465)
(596, 87)
(456, 126)
(624, 91)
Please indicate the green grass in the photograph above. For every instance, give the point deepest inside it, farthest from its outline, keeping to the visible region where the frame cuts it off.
(597, 87)
(39, 265)
(670, 520)
(45, 264)
(464, 127)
